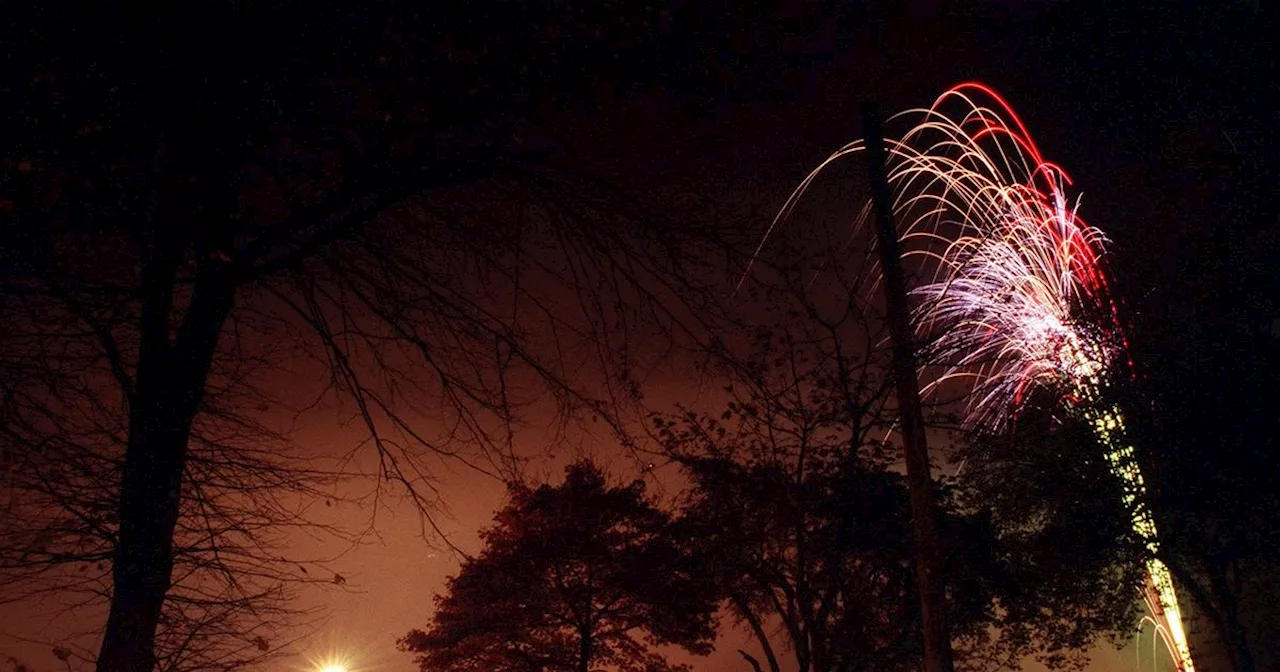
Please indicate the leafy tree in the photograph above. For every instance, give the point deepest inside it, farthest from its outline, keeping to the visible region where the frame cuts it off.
(803, 513)
(1213, 490)
(1066, 534)
(1207, 354)
(1202, 299)
(802, 533)
(1070, 562)
(572, 577)
(801, 519)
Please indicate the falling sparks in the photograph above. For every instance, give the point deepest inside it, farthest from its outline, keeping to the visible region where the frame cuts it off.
(1013, 297)
(1018, 299)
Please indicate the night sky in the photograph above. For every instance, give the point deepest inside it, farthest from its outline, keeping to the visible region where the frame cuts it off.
(1163, 113)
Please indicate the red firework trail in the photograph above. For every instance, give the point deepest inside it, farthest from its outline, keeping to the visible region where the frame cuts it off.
(1014, 296)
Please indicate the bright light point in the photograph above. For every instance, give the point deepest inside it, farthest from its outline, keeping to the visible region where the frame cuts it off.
(333, 652)
(333, 664)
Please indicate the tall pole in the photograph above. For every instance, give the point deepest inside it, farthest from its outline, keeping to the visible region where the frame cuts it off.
(937, 640)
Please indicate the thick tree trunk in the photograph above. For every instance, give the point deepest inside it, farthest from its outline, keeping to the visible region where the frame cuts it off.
(148, 512)
(584, 651)
(1217, 603)
(1231, 630)
(192, 100)
(757, 629)
(169, 388)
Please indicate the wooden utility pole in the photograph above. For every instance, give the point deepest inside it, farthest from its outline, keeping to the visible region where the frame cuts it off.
(937, 639)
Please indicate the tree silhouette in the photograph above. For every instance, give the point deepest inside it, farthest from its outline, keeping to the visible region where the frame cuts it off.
(1069, 560)
(1048, 488)
(572, 577)
(1215, 509)
(1207, 354)
(802, 532)
(200, 203)
(801, 510)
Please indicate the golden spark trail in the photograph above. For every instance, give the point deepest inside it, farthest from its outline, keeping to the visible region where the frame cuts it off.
(1013, 297)
(1160, 596)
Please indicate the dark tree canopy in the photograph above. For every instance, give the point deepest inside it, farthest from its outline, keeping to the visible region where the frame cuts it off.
(573, 577)
(1070, 562)
(817, 542)
(803, 519)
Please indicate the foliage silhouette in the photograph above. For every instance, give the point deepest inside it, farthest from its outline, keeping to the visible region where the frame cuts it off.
(572, 577)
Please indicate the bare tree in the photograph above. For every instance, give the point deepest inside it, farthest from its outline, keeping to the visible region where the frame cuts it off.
(191, 221)
(229, 601)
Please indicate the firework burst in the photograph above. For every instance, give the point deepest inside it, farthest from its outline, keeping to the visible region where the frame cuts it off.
(1012, 295)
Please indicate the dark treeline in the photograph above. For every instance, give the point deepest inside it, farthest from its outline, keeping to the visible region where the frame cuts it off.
(197, 200)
